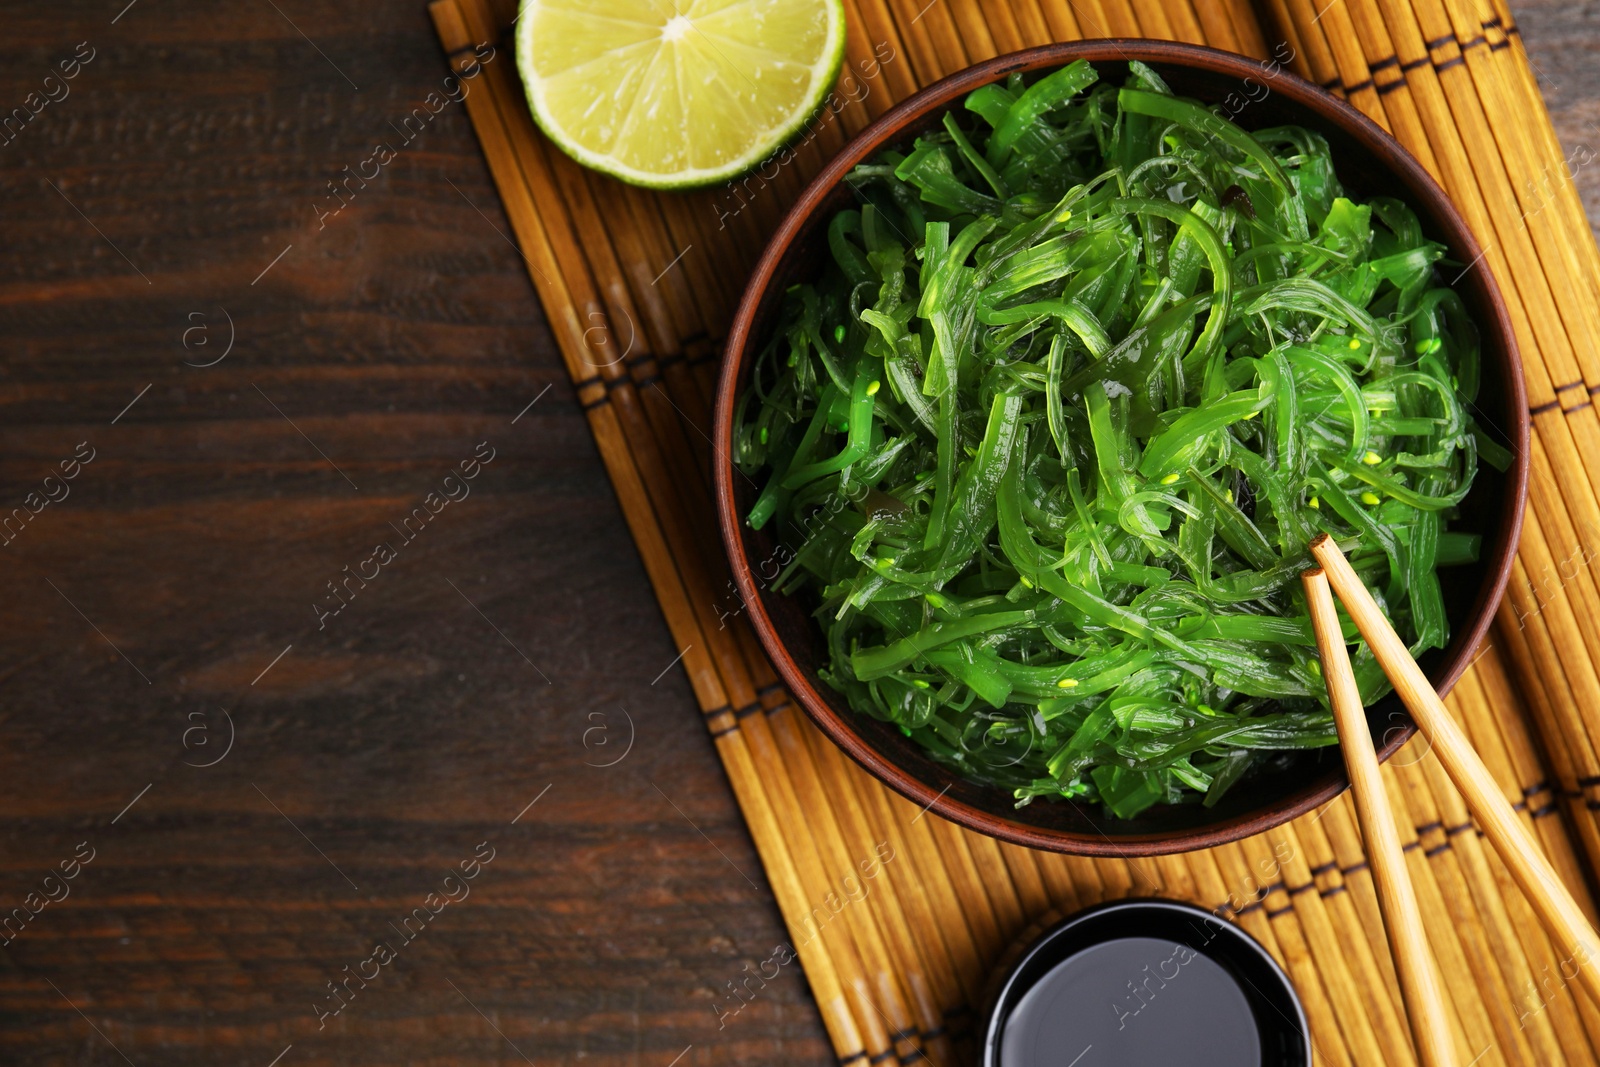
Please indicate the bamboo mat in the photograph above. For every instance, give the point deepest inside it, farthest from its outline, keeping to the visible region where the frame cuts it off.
(899, 916)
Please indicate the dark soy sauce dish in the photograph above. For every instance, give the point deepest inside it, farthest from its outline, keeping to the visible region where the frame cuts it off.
(1140, 982)
(1369, 163)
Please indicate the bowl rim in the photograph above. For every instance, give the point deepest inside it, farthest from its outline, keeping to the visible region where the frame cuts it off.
(891, 126)
(1044, 934)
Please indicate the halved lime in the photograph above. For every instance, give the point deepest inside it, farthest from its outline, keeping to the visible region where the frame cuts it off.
(677, 93)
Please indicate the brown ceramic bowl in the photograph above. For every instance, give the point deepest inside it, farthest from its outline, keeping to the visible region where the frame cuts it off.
(1369, 163)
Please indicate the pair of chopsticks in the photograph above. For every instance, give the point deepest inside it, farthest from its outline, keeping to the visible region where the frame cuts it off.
(1420, 984)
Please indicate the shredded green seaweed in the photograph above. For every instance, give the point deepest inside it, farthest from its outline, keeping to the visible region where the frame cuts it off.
(1048, 438)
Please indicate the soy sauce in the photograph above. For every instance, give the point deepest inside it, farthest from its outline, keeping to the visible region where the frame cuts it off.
(1133, 1002)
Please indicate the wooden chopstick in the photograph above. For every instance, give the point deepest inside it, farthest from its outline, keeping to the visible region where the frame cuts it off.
(1420, 983)
(1574, 937)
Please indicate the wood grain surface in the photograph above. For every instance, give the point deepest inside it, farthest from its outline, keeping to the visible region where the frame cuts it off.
(270, 777)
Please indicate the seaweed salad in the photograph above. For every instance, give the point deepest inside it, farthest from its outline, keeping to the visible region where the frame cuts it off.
(1047, 438)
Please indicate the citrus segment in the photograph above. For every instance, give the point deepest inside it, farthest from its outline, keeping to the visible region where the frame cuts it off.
(670, 94)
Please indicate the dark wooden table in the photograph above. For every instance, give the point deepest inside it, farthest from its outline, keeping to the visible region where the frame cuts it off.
(265, 788)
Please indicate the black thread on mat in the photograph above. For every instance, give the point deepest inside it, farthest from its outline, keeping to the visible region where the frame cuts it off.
(611, 385)
(1542, 408)
(711, 715)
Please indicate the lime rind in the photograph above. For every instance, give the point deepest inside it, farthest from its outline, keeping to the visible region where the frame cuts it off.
(824, 74)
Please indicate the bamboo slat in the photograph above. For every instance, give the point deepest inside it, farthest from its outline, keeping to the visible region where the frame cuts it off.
(639, 288)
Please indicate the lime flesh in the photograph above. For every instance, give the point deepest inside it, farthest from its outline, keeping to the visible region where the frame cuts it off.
(677, 93)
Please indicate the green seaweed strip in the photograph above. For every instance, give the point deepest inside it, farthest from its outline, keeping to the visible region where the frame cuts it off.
(1048, 469)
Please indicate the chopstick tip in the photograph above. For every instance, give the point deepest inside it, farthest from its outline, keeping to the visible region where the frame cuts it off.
(1317, 541)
